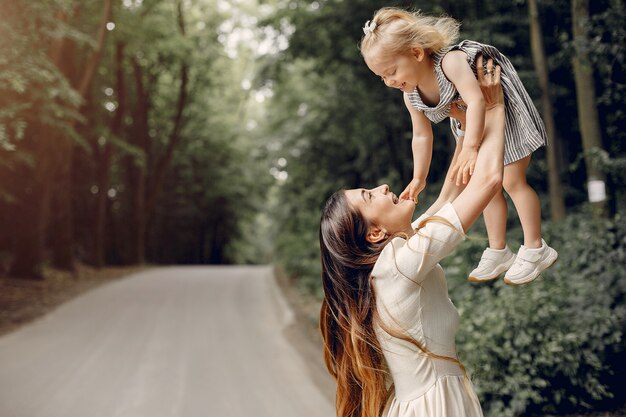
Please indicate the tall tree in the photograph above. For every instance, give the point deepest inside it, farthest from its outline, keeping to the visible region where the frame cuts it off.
(175, 135)
(62, 234)
(557, 202)
(106, 157)
(146, 188)
(137, 167)
(586, 103)
(32, 179)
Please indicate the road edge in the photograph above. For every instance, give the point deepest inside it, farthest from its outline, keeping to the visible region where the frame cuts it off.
(304, 335)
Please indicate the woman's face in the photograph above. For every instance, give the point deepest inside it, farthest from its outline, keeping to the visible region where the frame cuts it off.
(382, 209)
(399, 71)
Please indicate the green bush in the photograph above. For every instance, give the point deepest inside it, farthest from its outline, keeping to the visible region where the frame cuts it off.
(553, 345)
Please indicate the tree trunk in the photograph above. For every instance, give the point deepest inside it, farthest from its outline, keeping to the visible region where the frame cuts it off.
(137, 168)
(174, 140)
(214, 238)
(557, 202)
(586, 102)
(63, 232)
(29, 242)
(104, 167)
(145, 195)
(156, 185)
(32, 210)
(175, 135)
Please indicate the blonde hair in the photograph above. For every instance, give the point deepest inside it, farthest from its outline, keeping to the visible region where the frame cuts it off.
(396, 31)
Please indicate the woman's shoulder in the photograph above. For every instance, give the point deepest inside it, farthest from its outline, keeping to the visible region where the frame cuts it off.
(386, 265)
(446, 212)
(417, 255)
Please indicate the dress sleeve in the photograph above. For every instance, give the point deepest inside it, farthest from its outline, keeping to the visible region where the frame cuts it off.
(473, 49)
(411, 260)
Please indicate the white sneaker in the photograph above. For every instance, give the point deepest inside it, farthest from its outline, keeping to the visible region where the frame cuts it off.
(492, 264)
(530, 263)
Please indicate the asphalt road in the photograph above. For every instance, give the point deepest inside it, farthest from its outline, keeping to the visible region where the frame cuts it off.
(189, 342)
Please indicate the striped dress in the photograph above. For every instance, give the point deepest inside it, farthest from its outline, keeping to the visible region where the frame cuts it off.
(524, 129)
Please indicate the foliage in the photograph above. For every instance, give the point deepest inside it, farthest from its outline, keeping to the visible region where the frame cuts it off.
(214, 185)
(556, 344)
(31, 86)
(607, 48)
(209, 193)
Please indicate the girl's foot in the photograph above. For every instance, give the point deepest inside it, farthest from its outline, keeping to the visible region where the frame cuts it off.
(492, 264)
(530, 263)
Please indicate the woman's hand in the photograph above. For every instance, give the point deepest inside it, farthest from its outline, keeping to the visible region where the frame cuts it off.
(490, 87)
(489, 83)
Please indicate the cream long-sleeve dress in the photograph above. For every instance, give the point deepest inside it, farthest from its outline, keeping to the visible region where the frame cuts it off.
(412, 296)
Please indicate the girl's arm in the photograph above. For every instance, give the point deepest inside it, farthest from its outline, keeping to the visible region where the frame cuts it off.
(422, 147)
(487, 178)
(450, 190)
(458, 71)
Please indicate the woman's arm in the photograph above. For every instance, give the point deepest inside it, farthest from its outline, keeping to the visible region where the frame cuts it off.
(434, 241)
(422, 147)
(458, 71)
(487, 177)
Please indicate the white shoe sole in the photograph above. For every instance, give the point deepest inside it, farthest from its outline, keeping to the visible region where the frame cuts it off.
(545, 264)
(498, 271)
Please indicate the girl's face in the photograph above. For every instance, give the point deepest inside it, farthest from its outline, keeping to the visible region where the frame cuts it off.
(383, 210)
(402, 71)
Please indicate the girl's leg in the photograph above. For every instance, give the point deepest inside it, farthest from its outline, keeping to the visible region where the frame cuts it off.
(495, 221)
(497, 258)
(534, 256)
(525, 200)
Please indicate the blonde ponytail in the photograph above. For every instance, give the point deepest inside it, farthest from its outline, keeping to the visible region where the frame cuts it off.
(397, 31)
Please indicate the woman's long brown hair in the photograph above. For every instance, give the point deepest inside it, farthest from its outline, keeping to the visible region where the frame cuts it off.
(348, 317)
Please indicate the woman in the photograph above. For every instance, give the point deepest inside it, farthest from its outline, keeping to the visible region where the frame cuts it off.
(386, 319)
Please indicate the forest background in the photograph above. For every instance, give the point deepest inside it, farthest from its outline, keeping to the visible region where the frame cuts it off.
(212, 132)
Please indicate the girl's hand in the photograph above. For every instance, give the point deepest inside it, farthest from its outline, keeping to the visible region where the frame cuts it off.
(464, 167)
(412, 190)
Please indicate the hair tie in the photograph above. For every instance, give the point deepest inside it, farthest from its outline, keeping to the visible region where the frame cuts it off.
(369, 27)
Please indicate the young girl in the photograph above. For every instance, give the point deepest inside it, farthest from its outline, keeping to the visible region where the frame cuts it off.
(418, 55)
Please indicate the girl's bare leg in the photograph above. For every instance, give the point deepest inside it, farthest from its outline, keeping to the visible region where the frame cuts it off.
(525, 200)
(495, 221)
(497, 258)
(534, 256)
